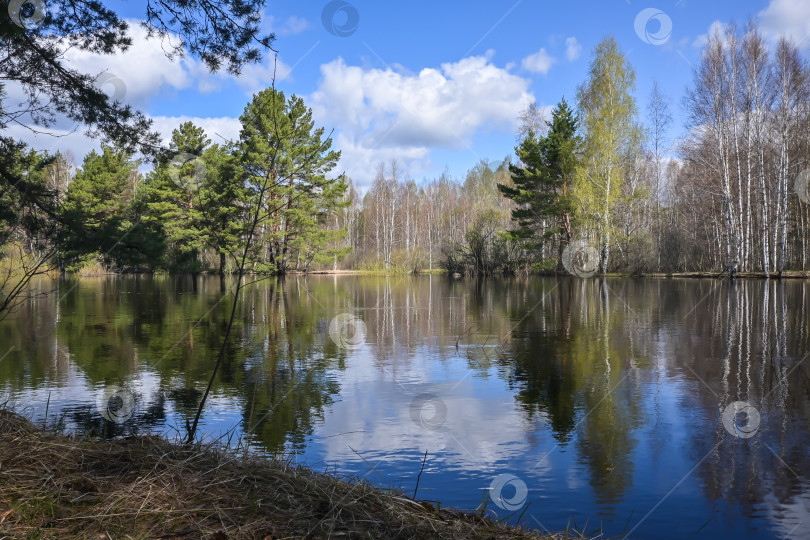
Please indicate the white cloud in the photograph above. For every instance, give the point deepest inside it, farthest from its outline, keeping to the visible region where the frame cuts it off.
(360, 157)
(219, 130)
(385, 114)
(64, 139)
(572, 49)
(290, 27)
(539, 62)
(366, 383)
(137, 76)
(789, 18)
(143, 69)
(72, 138)
(252, 79)
(716, 27)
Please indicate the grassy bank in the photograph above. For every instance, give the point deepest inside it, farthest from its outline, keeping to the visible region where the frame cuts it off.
(56, 486)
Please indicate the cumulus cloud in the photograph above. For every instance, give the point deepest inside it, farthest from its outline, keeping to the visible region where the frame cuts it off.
(539, 62)
(252, 79)
(144, 70)
(138, 76)
(386, 113)
(360, 156)
(72, 138)
(65, 139)
(789, 18)
(572, 49)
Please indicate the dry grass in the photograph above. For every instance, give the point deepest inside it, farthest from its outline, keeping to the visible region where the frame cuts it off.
(55, 486)
(91, 269)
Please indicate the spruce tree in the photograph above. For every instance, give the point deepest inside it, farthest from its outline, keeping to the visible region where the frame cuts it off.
(543, 183)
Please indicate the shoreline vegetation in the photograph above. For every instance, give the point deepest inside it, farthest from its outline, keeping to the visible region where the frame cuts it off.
(787, 274)
(53, 485)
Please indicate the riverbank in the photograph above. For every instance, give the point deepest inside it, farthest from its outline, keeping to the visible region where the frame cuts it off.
(56, 486)
(788, 274)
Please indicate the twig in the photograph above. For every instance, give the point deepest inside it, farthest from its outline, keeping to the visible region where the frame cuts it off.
(420, 474)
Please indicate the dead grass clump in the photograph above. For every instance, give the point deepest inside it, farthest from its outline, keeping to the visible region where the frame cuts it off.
(56, 486)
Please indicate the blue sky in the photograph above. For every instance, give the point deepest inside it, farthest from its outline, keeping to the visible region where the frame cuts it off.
(436, 85)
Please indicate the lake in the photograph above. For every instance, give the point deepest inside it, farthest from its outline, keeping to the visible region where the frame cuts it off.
(648, 408)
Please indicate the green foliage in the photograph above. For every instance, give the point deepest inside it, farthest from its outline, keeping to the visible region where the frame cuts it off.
(481, 185)
(171, 199)
(402, 264)
(485, 250)
(608, 114)
(196, 200)
(36, 39)
(545, 265)
(29, 219)
(223, 203)
(98, 211)
(27, 207)
(195, 204)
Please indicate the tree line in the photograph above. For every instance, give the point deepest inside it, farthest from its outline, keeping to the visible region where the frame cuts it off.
(192, 211)
(730, 196)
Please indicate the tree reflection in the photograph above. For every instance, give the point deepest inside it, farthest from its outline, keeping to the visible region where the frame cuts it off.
(571, 361)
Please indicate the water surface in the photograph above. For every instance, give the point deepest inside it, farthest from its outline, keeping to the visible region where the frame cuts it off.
(558, 402)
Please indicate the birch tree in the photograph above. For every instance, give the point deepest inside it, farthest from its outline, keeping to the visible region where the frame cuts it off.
(660, 118)
(611, 136)
(708, 112)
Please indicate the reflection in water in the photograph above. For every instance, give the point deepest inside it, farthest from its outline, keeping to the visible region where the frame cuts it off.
(603, 396)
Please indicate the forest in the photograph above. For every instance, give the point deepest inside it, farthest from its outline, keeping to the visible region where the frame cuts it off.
(598, 174)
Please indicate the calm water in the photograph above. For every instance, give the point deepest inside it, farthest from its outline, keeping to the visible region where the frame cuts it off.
(597, 402)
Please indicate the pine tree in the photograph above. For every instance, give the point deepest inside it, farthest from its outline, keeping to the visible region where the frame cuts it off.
(170, 199)
(29, 222)
(98, 213)
(223, 200)
(279, 142)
